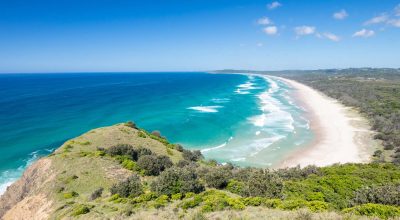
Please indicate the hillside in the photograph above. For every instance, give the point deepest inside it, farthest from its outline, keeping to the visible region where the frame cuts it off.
(122, 172)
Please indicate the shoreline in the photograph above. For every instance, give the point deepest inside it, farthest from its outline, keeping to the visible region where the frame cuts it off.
(342, 135)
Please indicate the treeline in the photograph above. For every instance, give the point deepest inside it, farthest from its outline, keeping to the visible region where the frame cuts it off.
(375, 92)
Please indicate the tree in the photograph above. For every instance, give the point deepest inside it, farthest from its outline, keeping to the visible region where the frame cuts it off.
(177, 180)
(129, 187)
(153, 165)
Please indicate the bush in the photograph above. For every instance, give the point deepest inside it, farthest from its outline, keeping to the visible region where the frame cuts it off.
(253, 201)
(272, 203)
(317, 206)
(122, 149)
(153, 165)
(378, 210)
(297, 172)
(192, 155)
(156, 133)
(80, 210)
(263, 183)
(129, 187)
(70, 195)
(292, 204)
(177, 180)
(217, 177)
(236, 187)
(141, 151)
(96, 194)
(386, 194)
(130, 124)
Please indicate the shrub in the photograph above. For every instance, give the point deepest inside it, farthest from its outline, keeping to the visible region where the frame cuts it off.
(161, 201)
(177, 196)
(386, 194)
(253, 201)
(141, 151)
(182, 163)
(317, 206)
(96, 194)
(177, 180)
(217, 177)
(70, 195)
(153, 165)
(129, 187)
(272, 203)
(236, 187)
(179, 147)
(378, 210)
(130, 124)
(263, 183)
(292, 204)
(129, 164)
(297, 172)
(80, 210)
(192, 202)
(192, 155)
(156, 133)
(236, 203)
(122, 149)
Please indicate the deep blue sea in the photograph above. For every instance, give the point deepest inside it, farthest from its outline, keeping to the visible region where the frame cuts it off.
(244, 119)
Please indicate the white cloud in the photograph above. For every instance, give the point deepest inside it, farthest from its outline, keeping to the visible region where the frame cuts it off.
(331, 36)
(264, 21)
(340, 15)
(377, 20)
(274, 5)
(304, 30)
(364, 33)
(394, 22)
(397, 10)
(270, 30)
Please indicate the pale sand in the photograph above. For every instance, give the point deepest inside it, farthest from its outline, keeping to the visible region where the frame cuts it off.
(342, 135)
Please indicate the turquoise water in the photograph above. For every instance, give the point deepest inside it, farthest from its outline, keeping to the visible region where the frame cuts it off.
(243, 119)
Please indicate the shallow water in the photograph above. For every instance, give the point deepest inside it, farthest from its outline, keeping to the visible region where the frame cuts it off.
(246, 120)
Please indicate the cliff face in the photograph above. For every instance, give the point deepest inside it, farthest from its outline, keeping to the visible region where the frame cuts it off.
(53, 186)
(25, 198)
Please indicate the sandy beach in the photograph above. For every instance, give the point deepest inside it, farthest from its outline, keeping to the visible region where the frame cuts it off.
(342, 135)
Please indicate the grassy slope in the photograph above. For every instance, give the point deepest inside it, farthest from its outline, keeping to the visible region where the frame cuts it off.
(79, 169)
(77, 166)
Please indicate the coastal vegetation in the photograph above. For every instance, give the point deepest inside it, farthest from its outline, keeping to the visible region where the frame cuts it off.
(125, 174)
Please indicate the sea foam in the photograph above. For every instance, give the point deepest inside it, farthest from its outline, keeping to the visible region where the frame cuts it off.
(206, 109)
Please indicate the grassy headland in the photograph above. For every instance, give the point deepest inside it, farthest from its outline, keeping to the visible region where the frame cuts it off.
(125, 172)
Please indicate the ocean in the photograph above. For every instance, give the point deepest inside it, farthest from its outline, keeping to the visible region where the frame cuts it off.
(247, 120)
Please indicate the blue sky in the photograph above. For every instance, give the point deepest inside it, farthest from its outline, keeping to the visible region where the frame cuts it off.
(197, 35)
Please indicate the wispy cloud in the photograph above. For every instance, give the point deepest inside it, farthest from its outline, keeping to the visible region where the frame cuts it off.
(274, 5)
(397, 10)
(264, 21)
(377, 20)
(394, 22)
(331, 36)
(304, 30)
(364, 33)
(340, 15)
(271, 30)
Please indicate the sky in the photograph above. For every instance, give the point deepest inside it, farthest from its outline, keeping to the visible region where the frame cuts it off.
(197, 35)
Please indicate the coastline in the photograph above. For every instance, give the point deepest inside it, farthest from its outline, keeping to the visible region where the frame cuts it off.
(342, 134)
